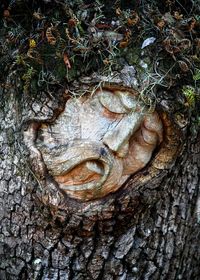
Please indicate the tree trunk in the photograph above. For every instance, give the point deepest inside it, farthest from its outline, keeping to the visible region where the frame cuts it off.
(147, 229)
(148, 232)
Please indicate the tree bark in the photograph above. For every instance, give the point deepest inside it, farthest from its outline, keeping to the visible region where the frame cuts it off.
(150, 227)
(150, 231)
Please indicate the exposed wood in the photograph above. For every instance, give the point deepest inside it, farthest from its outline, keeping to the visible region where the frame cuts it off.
(97, 142)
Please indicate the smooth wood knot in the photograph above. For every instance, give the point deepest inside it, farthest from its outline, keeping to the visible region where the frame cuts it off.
(99, 141)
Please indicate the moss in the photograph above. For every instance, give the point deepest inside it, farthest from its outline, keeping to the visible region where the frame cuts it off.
(74, 72)
(60, 70)
(132, 55)
(81, 36)
(34, 86)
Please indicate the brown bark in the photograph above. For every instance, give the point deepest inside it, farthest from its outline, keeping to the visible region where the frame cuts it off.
(147, 230)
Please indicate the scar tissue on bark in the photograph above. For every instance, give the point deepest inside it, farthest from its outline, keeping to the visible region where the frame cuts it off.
(97, 142)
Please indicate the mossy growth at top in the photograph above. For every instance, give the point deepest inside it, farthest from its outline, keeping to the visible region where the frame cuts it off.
(50, 43)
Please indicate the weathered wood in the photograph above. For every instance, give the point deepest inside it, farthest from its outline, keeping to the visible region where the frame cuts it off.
(96, 143)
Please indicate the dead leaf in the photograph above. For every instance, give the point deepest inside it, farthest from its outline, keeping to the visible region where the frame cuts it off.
(133, 20)
(66, 61)
(118, 11)
(178, 16)
(183, 66)
(161, 24)
(6, 13)
(72, 22)
(192, 25)
(52, 34)
(123, 44)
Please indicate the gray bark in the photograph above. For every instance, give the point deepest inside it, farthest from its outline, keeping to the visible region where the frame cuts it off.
(146, 231)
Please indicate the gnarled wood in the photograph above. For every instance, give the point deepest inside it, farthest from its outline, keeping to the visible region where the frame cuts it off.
(97, 142)
(146, 230)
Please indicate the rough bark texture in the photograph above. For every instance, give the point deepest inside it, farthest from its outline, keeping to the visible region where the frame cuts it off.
(145, 231)
(149, 228)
